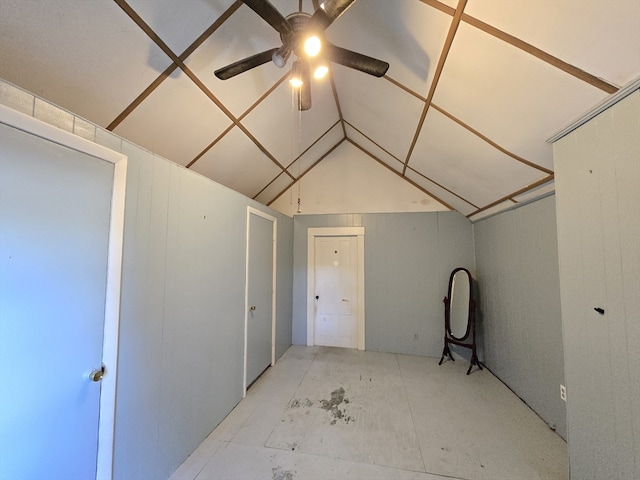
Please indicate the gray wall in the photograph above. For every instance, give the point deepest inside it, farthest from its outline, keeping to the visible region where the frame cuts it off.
(517, 270)
(182, 312)
(182, 320)
(598, 197)
(408, 260)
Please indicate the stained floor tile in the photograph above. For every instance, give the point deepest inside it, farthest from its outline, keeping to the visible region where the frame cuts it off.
(324, 413)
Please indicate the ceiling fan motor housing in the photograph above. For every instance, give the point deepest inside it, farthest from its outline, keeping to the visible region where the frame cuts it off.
(293, 40)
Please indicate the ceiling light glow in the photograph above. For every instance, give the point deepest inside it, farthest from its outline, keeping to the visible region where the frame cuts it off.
(320, 72)
(296, 75)
(312, 46)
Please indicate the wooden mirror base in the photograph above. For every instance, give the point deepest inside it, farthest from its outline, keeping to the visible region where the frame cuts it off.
(447, 352)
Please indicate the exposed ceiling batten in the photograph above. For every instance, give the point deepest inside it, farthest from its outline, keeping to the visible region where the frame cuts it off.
(528, 48)
(544, 56)
(424, 190)
(164, 75)
(450, 192)
(210, 146)
(302, 175)
(405, 88)
(444, 188)
(489, 141)
(434, 84)
(514, 194)
(467, 126)
(240, 118)
(312, 145)
(373, 141)
(158, 41)
(337, 100)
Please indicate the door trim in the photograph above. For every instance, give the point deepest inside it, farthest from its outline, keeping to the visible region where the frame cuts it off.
(274, 220)
(106, 423)
(312, 233)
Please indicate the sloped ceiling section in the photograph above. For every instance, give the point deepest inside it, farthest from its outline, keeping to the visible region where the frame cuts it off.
(459, 121)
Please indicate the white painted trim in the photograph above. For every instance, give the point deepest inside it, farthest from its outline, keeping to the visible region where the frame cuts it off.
(361, 291)
(335, 231)
(597, 110)
(106, 435)
(312, 233)
(53, 134)
(260, 213)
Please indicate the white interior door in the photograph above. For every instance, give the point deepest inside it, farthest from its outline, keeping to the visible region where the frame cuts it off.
(260, 312)
(336, 291)
(55, 205)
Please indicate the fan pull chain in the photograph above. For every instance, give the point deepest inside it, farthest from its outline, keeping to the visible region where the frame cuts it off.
(299, 159)
(292, 155)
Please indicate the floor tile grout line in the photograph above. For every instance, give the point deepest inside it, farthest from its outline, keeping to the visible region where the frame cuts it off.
(286, 384)
(294, 392)
(356, 462)
(206, 464)
(265, 396)
(452, 477)
(413, 422)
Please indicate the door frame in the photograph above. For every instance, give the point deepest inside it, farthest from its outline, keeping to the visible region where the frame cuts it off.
(106, 422)
(312, 233)
(274, 220)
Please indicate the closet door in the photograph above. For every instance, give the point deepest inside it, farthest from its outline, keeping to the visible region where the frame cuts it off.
(259, 326)
(55, 207)
(598, 197)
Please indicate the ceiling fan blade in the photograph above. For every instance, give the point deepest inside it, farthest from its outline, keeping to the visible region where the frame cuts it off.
(245, 64)
(304, 92)
(328, 13)
(356, 60)
(270, 14)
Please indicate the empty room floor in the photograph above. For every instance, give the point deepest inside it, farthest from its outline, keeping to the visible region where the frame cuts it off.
(329, 413)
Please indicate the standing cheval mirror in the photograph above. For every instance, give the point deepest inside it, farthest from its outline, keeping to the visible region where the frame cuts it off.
(459, 316)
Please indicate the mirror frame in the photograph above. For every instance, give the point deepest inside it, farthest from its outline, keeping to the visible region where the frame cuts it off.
(448, 305)
(469, 338)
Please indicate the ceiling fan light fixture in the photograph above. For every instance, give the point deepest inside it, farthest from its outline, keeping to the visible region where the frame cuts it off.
(312, 45)
(296, 75)
(281, 56)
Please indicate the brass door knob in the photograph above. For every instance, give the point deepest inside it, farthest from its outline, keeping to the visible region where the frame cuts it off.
(96, 375)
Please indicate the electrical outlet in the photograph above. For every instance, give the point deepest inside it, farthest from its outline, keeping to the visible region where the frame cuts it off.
(563, 392)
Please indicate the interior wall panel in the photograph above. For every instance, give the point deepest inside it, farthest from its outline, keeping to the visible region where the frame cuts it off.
(193, 323)
(519, 305)
(182, 310)
(598, 193)
(140, 344)
(408, 259)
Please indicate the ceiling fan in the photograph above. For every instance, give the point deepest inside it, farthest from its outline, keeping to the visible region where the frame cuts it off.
(302, 34)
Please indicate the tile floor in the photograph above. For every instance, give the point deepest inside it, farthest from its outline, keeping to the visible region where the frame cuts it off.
(328, 413)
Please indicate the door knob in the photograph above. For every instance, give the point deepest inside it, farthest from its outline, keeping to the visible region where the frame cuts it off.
(96, 375)
(252, 308)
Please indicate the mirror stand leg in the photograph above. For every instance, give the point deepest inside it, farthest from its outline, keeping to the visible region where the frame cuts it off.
(474, 361)
(446, 352)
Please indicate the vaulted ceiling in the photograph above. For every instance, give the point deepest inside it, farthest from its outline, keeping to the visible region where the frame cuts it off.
(474, 88)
